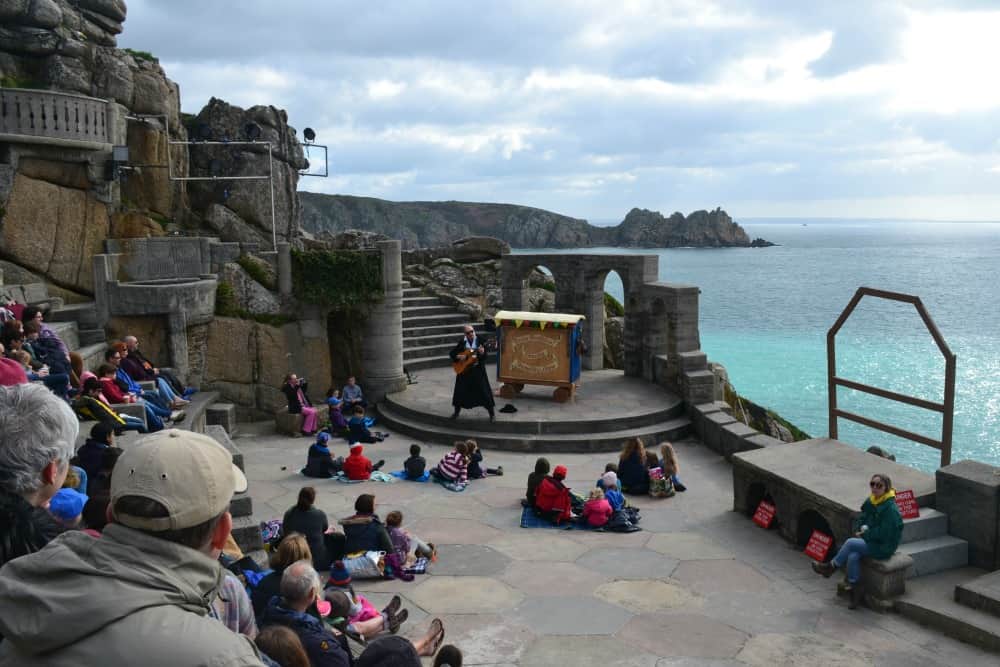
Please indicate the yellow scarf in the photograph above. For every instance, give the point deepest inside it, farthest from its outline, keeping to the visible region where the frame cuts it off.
(891, 493)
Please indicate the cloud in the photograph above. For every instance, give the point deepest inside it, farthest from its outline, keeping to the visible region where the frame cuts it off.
(591, 108)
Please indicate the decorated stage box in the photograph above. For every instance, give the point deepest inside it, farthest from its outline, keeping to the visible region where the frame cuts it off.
(538, 348)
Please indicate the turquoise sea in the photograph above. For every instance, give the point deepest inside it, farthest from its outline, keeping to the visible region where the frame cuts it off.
(765, 313)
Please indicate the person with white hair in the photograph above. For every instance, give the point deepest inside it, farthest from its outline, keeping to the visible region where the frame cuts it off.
(37, 437)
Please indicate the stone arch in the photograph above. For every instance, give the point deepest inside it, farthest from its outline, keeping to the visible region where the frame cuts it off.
(808, 521)
(534, 300)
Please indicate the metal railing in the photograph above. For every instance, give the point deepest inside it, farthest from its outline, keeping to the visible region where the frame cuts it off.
(946, 408)
(53, 115)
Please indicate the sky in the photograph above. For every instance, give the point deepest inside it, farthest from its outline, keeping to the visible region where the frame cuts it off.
(767, 108)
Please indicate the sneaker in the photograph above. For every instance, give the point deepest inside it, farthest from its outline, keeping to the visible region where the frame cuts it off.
(179, 403)
(680, 488)
(434, 552)
(381, 462)
(500, 471)
(190, 391)
(177, 416)
(826, 569)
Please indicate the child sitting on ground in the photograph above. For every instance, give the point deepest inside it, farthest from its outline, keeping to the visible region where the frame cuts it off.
(475, 471)
(416, 464)
(597, 510)
(358, 428)
(338, 425)
(357, 466)
(542, 469)
(668, 461)
(552, 499)
(609, 484)
(453, 467)
(319, 461)
(404, 544)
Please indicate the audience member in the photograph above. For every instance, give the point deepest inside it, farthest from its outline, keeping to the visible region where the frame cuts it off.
(132, 343)
(154, 567)
(542, 468)
(111, 393)
(294, 390)
(364, 530)
(232, 607)
(453, 467)
(312, 523)
(67, 507)
(357, 427)
(300, 589)
(609, 484)
(293, 547)
(37, 436)
(91, 453)
(90, 407)
(338, 425)
(357, 466)
(283, 646)
(403, 543)
(552, 499)
(11, 372)
(352, 395)
(319, 459)
(95, 513)
(138, 372)
(597, 510)
(416, 465)
(448, 656)
(632, 470)
(474, 470)
(395, 651)
(155, 403)
(668, 461)
(355, 616)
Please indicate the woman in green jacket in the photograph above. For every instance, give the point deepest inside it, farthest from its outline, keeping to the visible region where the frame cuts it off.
(877, 533)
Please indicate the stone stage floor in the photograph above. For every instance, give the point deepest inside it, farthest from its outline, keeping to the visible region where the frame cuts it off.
(603, 394)
(700, 585)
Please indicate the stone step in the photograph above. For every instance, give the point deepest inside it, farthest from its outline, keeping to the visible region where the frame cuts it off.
(981, 593)
(406, 284)
(936, 554)
(197, 411)
(930, 602)
(673, 408)
(449, 339)
(414, 301)
(91, 336)
(218, 433)
(435, 309)
(93, 355)
(67, 332)
(246, 532)
(241, 505)
(607, 441)
(412, 291)
(452, 318)
(930, 523)
(427, 362)
(414, 353)
(222, 414)
(432, 329)
(84, 314)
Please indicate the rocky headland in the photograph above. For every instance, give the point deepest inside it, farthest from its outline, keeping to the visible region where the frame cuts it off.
(432, 224)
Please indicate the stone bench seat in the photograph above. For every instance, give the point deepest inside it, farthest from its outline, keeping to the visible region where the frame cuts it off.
(287, 423)
(883, 580)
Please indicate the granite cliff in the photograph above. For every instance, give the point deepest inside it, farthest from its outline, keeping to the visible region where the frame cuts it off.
(430, 224)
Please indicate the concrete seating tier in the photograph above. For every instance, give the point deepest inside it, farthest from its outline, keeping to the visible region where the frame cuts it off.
(963, 603)
(608, 409)
(288, 424)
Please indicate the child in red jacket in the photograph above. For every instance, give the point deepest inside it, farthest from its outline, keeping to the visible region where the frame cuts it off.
(552, 497)
(597, 510)
(357, 466)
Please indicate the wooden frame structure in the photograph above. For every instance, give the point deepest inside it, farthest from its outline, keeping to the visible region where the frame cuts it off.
(538, 349)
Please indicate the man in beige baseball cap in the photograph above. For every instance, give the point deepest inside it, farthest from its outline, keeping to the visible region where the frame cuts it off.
(140, 593)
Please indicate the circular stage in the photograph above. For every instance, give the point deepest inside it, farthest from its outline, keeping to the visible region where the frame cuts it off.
(608, 408)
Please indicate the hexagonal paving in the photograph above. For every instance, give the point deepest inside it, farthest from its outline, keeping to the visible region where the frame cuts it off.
(539, 578)
(683, 635)
(525, 545)
(469, 559)
(571, 615)
(766, 650)
(715, 576)
(454, 531)
(484, 638)
(628, 563)
(585, 652)
(688, 546)
(645, 595)
(464, 595)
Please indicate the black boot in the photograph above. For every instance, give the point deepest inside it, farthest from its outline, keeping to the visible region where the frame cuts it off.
(454, 415)
(857, 595)
(826, 569)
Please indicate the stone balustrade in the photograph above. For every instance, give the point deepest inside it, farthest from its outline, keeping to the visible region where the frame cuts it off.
(51, 115)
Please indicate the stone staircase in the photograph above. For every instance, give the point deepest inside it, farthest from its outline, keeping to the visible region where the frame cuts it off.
(926, 540)
(430, 329)
(963, 603)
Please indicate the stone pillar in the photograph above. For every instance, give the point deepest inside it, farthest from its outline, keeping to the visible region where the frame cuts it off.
(105, 270)
(285, 269)
(177, 343)
(382, 347)
(593, 327)
(635, 318)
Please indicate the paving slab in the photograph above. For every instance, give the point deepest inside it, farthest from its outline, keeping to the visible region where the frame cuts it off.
(648, 595)
(628, 563)
(464, 595)
(526, 545)
(715, 576)
(688, 546)
(768, 650)
(454, 531)
(571, 615)
(585, 652)
(538, 578)
(693, 635)
(485, 639)
(469, 559)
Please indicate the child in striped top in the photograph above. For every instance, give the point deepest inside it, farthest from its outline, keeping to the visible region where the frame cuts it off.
(454, 466)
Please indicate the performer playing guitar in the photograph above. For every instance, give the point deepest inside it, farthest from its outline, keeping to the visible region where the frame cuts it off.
(472, 386)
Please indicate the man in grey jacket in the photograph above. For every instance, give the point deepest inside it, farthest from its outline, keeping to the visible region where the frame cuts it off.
(140, 594)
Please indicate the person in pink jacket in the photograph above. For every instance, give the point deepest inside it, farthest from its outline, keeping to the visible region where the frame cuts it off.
(597, 509)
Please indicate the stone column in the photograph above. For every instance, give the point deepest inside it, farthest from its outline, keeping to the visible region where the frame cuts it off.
(593, 327)
(513, 289)
(177, 343)
(382, 347)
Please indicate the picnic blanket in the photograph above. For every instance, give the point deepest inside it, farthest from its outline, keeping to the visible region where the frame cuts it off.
(401, 474)
(531, 520)
(377, 476)
(418, 567)
(451, 486)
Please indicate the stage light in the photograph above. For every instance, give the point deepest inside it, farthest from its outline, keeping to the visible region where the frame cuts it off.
(309, 134)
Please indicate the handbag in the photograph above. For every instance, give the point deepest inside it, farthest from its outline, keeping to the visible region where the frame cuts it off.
(366, 565)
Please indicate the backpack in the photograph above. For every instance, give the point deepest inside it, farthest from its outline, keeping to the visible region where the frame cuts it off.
(620, 523)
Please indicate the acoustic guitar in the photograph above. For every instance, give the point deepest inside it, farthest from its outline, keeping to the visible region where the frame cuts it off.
(464, 361)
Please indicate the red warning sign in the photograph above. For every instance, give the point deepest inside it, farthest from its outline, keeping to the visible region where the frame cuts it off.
(907, 504)
(818, 546)
(764, 515)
